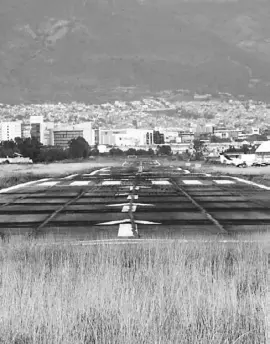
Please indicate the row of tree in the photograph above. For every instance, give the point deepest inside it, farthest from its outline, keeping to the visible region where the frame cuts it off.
(32, 148)
(161, 150)
(78, 148)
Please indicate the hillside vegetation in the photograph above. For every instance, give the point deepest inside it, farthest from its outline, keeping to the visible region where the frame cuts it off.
(83, 50)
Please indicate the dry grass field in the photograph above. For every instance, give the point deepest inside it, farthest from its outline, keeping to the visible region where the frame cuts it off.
(225, 169)
(57, 168)
(175, 292)
(16, 174)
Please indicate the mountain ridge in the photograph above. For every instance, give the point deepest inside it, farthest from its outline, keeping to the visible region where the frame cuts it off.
(67, 50)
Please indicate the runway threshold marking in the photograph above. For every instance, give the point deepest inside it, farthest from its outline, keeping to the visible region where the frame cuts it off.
(161, 182)
(224, 181)
(49, 183)
(79, 183)
(111, 182)
(192, 182)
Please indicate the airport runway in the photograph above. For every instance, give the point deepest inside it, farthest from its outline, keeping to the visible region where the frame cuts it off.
(141, 199)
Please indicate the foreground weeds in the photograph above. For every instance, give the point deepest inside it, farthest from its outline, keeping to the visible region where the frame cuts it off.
(205, 293)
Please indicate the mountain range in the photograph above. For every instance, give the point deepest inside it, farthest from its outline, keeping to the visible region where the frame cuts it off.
(95, 50)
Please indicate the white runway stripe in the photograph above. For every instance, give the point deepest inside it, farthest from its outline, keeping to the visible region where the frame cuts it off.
(49, 183)
(79, 183)
(71, 176)
(125, 230)
(111, 182)
(192, 182)
(134, 197)
(252, 183)
(11, 188)
(161, 182)
(126, 208)
(224, 182)
(100, 170)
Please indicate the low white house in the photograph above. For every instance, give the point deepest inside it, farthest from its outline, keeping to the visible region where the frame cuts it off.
(263, 153)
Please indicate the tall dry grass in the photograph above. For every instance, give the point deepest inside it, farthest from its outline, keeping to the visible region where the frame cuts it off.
(15, 179)
(205, 293)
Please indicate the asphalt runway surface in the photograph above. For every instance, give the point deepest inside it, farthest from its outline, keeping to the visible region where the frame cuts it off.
(141, 199)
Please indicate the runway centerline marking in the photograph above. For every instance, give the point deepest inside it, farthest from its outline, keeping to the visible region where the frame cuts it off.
(192, 182)
(133, 196)
(126, 208)
(125, 230)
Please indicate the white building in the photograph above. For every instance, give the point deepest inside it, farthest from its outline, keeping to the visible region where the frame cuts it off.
(263, 153)
(62, 135)
(134, 137)
(88, 132)
(10, 130)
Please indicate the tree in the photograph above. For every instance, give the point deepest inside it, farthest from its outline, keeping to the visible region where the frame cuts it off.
(52, 154)
(151, 152)
(29, 147)
(198, 145)
(131, 151)
(79, 148)
(165, 150)
(94, 151)
(116, 152)
(142, 152)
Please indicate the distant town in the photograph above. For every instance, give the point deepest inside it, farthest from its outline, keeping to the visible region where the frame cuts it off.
(217, 123)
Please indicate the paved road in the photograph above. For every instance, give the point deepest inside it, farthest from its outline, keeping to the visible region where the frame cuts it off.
(144, 200)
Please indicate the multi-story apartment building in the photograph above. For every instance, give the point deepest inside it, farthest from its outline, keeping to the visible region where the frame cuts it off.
(62, 137)
(26, 130)
(37, 128)
(10, 130)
